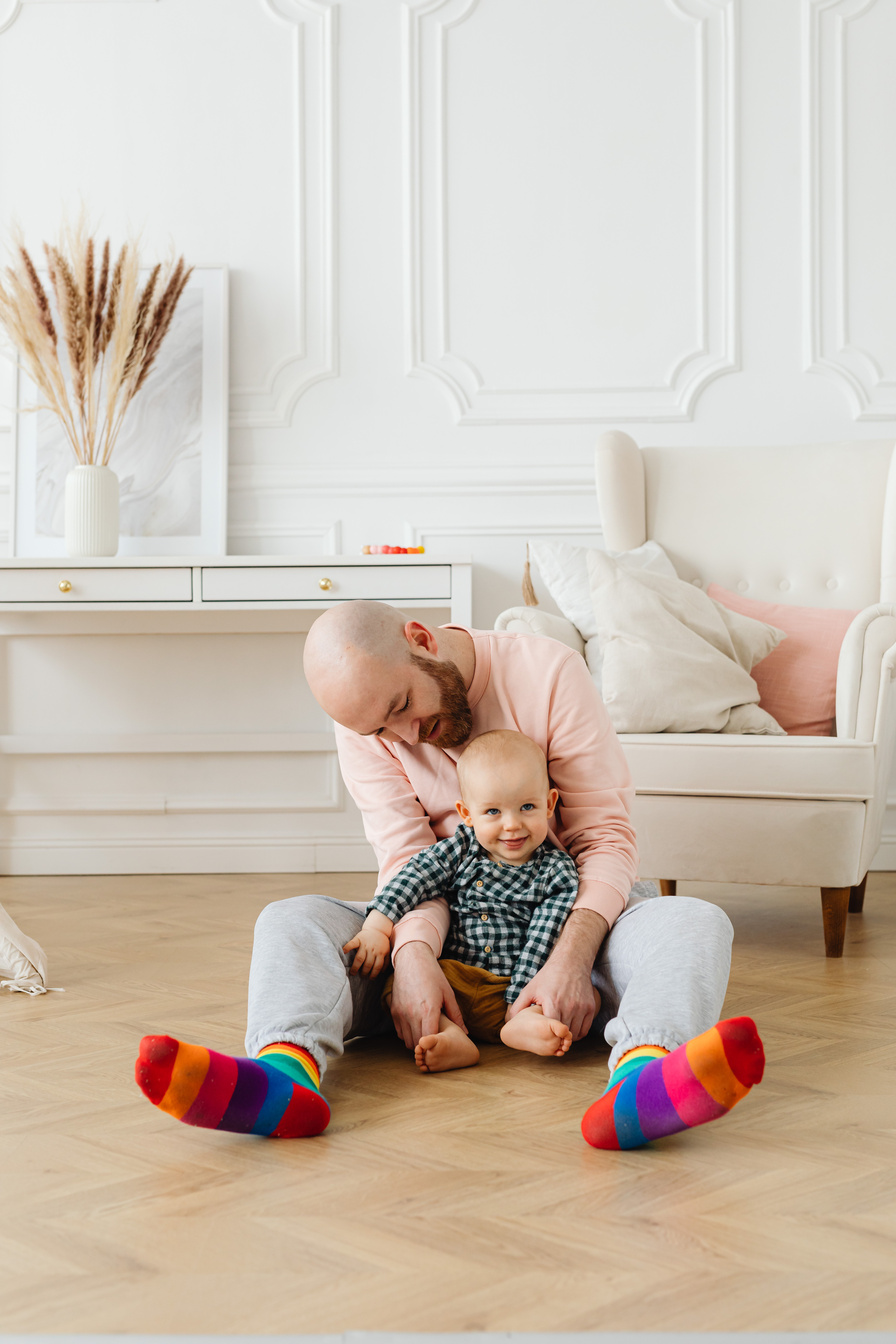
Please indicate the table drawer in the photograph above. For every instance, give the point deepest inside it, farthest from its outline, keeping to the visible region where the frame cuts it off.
(96, 585)
(307, 583)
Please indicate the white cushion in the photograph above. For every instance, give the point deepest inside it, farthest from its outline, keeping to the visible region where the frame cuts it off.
(674, 660)
(801, 843)
(710, 765)
(564, 569)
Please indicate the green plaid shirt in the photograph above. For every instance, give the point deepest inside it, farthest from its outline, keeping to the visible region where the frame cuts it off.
(504, 918)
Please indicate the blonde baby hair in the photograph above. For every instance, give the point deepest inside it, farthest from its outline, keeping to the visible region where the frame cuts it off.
(499, 748)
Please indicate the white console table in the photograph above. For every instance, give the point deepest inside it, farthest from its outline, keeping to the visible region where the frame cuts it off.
(235, 583)
(180, 752)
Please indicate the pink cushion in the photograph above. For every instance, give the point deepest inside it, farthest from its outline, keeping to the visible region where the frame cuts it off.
(797, 681)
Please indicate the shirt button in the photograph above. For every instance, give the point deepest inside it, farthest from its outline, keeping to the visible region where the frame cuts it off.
(483, 916)
(487, 949)
(479, 884)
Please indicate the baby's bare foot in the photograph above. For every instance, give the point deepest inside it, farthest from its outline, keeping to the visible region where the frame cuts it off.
(534, 1032)
(445, 1050)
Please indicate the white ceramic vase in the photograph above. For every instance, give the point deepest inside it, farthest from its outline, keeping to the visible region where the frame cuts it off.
(91, 511)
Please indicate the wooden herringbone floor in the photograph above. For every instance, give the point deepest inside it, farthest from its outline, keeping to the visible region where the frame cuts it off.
(445, 1203)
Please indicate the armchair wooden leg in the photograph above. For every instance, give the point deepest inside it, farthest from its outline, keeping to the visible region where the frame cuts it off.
(857, 897)
(834, 908)
(667, 886)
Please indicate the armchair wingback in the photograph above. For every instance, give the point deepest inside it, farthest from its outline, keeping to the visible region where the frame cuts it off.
(811, 526)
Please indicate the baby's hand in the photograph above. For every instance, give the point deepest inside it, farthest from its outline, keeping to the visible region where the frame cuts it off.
(372, 954)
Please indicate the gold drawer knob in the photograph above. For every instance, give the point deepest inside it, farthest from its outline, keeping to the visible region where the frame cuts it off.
(64, 586)
(325, 584)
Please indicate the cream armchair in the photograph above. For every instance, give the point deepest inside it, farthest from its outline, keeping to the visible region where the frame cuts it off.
(814, 526)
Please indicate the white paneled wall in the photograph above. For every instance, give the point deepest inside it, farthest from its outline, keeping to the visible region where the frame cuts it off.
(464, 237)
(523, 123)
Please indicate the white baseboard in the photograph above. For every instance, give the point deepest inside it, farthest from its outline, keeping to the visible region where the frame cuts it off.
(196, 854)
(885, 858)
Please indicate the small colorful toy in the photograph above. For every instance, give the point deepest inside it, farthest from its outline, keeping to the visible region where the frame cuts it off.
(393, 550)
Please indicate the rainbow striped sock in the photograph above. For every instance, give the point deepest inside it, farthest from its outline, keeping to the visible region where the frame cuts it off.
(277, 1094)
(648, 1098)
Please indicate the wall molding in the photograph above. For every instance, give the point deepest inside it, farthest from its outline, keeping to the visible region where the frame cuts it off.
(5, 491)
(416, 533)
(249, 853)
(330, 534)
(161, 805)
(828, 346)
(426, 24)
(330, 798)
(885, 858)
(165, 744)
(314, 39)
(11, 10)
(314, 25)
(510, 481)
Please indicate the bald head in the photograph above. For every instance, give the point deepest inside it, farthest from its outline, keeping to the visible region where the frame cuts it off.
(349, 644)
(378, 673)
(353, 630)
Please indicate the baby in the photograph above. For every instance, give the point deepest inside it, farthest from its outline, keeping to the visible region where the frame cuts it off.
(510, 891)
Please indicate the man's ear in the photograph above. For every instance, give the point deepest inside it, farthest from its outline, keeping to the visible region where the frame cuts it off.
(464, 811)
(420, 638)
(553, 797)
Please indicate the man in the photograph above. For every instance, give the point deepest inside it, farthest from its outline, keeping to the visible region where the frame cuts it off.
(406, 699)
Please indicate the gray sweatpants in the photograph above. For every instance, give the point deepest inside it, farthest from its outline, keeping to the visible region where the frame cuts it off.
(662, 973)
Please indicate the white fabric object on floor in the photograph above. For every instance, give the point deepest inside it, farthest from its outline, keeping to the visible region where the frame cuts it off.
(23, 962)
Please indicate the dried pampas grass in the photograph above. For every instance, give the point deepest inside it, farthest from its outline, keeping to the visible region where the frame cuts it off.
(89, 341)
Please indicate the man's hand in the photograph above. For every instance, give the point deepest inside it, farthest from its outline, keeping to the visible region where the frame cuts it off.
(420, 994)
(562, 988)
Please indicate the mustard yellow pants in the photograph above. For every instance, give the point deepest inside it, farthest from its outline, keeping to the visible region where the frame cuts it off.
(480, 997)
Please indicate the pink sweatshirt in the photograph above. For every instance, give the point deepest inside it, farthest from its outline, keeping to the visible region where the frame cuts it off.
(543, 689)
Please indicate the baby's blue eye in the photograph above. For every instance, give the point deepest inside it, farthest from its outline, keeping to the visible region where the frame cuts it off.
(491, 812)
(528, 807)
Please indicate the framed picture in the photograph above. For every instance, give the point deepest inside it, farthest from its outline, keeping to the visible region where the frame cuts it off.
(171, 456)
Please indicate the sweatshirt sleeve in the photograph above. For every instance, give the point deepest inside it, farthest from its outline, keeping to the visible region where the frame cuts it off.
(395, 824)
(588, 768)
(394, 820)
(429, 924)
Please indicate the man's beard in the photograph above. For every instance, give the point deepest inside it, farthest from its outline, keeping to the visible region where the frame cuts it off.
(455, 715)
